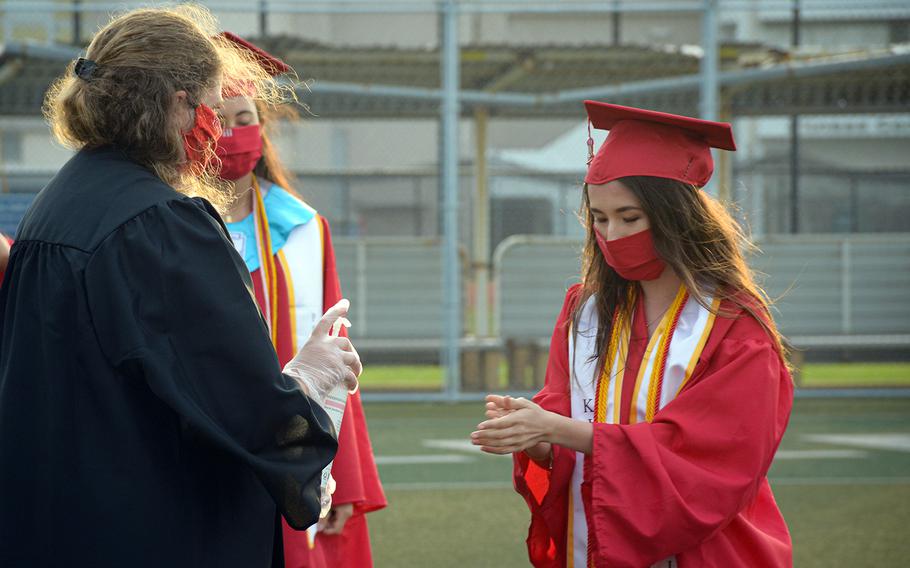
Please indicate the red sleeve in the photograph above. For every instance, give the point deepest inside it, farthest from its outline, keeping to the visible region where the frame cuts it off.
(354, 468)
(663, 488)
(546, 490)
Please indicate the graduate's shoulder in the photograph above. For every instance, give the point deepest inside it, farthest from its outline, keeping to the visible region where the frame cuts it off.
(573, 297)
(569, 307)
(743, 324)
(280, 201)
(744, 316)
(743, 351)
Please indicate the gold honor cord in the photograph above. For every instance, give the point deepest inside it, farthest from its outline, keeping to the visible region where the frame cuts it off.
(269, 272)
(670, 320)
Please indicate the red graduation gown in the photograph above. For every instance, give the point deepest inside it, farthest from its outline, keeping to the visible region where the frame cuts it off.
(692, 483)
(354, 468)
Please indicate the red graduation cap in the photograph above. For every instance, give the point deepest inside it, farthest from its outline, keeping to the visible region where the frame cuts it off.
(271, 64)
(650, 143)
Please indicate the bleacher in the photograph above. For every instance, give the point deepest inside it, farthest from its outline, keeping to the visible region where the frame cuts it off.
(12, 208)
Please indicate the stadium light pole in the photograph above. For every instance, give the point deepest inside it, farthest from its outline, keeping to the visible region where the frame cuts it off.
(263, 18)
(709, 70)
(481, 253)
(794, 136)
(449, 109)
(77, 24)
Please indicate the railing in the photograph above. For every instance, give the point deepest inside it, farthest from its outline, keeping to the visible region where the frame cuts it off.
(838, 285)
(832, 291)
(395, 286)
(531, 275)
(825, 285)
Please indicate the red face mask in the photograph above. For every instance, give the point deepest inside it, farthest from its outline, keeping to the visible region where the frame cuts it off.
(633, 257)
(205, 131)
(239, 149)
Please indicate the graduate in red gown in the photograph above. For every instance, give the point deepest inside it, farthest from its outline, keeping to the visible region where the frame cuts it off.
(287, 248)
(667, 392)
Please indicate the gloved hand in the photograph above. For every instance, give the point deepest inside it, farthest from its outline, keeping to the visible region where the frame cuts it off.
(326, 361)
(325, 498)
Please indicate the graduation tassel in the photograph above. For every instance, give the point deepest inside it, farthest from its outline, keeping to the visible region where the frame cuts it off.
(590, 144)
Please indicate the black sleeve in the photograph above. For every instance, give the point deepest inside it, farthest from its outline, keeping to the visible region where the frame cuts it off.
(169, 306)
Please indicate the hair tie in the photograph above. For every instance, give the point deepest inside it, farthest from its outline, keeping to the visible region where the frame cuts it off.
(85, 68)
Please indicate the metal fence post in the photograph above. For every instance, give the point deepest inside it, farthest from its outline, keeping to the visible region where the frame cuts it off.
(481, 253)
(449, 170)
(361, 290)
(846, 267)
(709, 71)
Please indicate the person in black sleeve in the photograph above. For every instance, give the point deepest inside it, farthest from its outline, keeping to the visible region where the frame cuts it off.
(144, 418)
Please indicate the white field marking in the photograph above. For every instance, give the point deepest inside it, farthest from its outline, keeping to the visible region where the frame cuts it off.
(776, 482)
(458, 445)
(899, 442)
(819, 454)
(461, 445)
(423, 458)
(447, 485)
(453, 444)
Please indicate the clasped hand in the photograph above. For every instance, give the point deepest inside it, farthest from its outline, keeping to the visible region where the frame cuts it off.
(512, 425)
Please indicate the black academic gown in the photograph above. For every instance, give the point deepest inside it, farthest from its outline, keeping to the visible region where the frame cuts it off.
(144, 419)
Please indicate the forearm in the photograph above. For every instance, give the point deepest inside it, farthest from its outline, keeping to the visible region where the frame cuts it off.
(541, 453)
(576, 435)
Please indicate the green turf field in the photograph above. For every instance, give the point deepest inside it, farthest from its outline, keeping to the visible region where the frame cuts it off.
(842, 481)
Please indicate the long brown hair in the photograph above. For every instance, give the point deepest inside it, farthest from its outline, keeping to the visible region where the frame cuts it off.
(143, 58)
(270, 166)
(698, 239)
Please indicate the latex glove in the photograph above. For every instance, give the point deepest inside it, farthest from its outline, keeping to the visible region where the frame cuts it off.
(326, 361)
(325, 498)
(4, 252)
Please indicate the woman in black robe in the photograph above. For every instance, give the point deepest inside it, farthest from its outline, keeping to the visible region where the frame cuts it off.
(144, 419)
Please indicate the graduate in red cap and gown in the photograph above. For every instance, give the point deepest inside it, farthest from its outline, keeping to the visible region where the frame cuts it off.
(287, 247)
(667, 392)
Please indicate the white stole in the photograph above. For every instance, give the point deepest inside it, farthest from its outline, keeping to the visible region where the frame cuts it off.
(302, 259)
